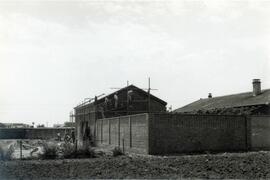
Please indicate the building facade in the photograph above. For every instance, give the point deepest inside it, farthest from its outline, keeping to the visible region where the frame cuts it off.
(126, 101)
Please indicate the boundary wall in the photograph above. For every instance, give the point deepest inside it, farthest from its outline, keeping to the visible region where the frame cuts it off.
(183, 133)
(260, 132)
(33, 133)
(130, 133)
(175, 133)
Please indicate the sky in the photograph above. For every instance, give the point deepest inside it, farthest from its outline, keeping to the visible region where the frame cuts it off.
(53, 54)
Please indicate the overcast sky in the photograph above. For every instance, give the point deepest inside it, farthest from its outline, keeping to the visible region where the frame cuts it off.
(53, 54)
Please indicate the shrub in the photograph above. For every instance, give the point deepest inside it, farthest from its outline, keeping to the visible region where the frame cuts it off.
(69, 150)
(86, 153)
(49, 151)
(6, 152)
(117, 152)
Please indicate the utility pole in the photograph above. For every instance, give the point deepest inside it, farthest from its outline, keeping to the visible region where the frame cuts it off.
(148, 90)
(71, 115)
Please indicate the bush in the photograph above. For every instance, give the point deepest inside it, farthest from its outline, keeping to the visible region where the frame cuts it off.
(117, 152)
(69, 150)
(6, 153)
(49, 151)
(86, 153)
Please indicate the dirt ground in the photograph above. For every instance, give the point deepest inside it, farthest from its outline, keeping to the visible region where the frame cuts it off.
(226, 165)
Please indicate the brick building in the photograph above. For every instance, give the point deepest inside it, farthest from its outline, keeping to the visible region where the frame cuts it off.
(126, 101)
(136, 121)
(256, 102)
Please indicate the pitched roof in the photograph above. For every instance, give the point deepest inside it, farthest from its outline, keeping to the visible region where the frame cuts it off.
(234, 100)
(130, 87)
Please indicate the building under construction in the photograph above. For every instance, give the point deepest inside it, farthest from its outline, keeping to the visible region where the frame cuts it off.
(126, 101)
(136, 121)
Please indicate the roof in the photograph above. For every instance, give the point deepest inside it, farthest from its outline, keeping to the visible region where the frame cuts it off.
(229, 101)
(130, 87)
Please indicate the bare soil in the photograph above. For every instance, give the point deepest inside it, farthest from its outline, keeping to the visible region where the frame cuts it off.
(228, 165)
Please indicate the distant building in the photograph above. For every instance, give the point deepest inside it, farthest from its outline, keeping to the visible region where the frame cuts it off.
(2, 125)
(69, 124)
(256, 102)
(58, 125)
(16, 125)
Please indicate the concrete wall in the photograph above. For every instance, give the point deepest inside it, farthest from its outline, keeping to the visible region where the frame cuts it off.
(260, 132)
(178, 133)
(127, 132)
(32, 133)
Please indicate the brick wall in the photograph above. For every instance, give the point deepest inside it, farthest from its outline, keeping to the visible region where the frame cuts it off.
(178, 133)
(174, 133)
(260, 132)
(156, 107)
(84, 117)
(127, 132)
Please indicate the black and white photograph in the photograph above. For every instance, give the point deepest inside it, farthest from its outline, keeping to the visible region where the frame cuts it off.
(134, 89)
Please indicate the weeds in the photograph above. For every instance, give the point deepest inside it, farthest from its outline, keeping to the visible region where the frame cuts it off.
(117, 152)
(50, 151)
(69, 150)
(86, 153)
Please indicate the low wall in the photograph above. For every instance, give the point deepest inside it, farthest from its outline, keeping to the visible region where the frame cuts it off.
(32, 133)
(12, 133)
(130, 133)
(178, 133)
(260, 132)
